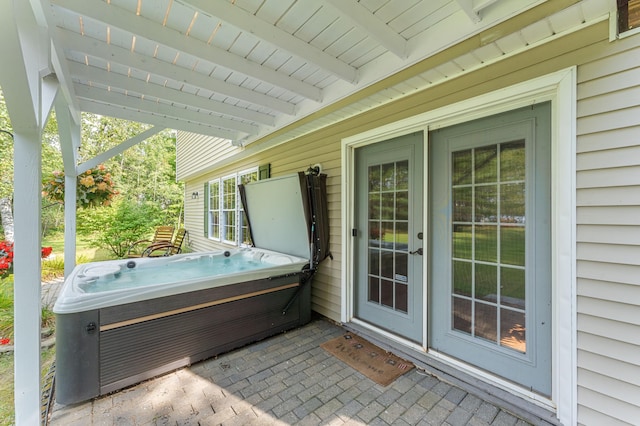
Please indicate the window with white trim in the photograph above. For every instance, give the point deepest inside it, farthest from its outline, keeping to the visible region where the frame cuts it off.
(227, 222)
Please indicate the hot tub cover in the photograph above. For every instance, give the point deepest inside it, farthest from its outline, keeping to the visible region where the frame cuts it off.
(289, 215)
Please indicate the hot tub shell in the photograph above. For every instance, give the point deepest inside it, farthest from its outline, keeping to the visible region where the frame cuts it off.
(119, 341)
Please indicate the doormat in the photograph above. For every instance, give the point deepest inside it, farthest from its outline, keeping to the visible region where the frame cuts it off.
(375, 363)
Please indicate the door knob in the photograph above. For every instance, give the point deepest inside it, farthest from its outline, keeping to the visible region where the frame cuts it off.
(419, 251)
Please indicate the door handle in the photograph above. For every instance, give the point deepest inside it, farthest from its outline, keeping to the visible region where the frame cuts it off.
(419, 251)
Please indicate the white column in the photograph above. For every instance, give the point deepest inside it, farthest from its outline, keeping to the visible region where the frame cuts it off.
(69, 133)
(26, 274)
(70, 221)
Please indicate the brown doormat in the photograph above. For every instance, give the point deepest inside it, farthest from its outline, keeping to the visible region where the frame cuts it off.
(375, 363)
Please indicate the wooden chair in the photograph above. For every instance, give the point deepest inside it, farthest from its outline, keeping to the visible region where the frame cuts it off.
(163, 234)
(167, 248)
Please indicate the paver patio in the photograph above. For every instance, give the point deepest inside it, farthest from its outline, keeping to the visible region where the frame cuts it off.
(284, 380)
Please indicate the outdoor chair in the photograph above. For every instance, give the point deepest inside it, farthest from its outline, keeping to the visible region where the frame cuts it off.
(166, 248)
(163, 234)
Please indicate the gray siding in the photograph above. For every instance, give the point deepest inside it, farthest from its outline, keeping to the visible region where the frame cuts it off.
(608, 234)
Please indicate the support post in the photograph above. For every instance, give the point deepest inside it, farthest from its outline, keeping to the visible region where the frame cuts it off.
(70, 222)
(26, 274)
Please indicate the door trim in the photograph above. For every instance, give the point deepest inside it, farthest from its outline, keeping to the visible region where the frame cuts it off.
(559, 88)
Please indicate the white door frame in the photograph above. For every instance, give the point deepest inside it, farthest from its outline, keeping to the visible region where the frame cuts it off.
(560, 89)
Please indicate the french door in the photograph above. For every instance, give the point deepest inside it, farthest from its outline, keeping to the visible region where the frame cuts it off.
(388, 236)
(490, 250)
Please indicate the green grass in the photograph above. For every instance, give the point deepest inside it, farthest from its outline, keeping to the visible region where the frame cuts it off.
(6, 359)
(86, 251)
(7, 411)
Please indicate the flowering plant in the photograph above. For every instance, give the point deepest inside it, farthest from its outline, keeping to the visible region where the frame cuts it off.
(6, 257)
(94, 188)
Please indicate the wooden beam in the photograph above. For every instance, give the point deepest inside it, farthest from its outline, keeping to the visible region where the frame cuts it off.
(467, 8)
(273, 35)
(96, 48)
(139, 104)
(168, 122)
(372, 25)
(101, 76)
(116, 17)
(119, 149)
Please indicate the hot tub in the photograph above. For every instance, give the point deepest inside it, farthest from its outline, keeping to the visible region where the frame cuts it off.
(121, 322)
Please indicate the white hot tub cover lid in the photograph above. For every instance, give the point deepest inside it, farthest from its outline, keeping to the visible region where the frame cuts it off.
(275, 208)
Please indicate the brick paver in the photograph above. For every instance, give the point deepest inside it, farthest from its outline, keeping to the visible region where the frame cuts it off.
(287, 379)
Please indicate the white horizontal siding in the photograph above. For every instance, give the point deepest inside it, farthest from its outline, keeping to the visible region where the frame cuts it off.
(607, 178)
(612, 234)
(608, 236)
(196, 153)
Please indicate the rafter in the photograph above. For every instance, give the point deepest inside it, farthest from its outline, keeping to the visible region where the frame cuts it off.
(467, 7)
(372, 25)
(99, 75)
(111, 53)
(273, 35)
(139, 104)
(157, 120)
(120, 18)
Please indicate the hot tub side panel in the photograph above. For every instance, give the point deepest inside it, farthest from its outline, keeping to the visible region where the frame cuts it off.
(77, 357)
(144, 339)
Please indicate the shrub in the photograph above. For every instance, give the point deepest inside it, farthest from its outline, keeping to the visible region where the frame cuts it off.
(118, 227)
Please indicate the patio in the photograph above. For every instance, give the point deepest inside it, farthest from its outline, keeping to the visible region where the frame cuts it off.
(286, 379)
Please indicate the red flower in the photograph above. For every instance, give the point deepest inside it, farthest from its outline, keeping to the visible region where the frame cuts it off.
(4, 341)
(46, 251)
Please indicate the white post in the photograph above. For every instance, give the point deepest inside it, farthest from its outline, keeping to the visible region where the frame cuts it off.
(26, 274)
(69, 133)
(70, 221)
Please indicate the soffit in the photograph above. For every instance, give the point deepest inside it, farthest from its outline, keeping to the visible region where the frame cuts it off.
(245, 69)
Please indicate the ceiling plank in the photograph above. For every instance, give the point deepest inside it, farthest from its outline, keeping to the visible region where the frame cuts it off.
(120, 18)
(273, 35)
(372, 25)
(113, 79)
(139, 104)
(99, 49)
(157, 120)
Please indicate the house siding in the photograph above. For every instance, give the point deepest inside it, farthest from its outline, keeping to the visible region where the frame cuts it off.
(608, 236)
(608, 204)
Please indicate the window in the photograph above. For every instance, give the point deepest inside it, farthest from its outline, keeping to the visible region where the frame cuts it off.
(226, 219)
(214, 209)
(628, 15)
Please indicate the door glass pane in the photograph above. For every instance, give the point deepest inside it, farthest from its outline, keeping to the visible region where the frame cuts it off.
(402, 175)
(485, 321)
(462, 199)
(462, 278)
(388, 205)
(374, 289)
(512, 330)
(486, 203)
(486, 164)
(461, 314)
(462, 240)
(462, 167)
(374, 178)
(488, 196)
